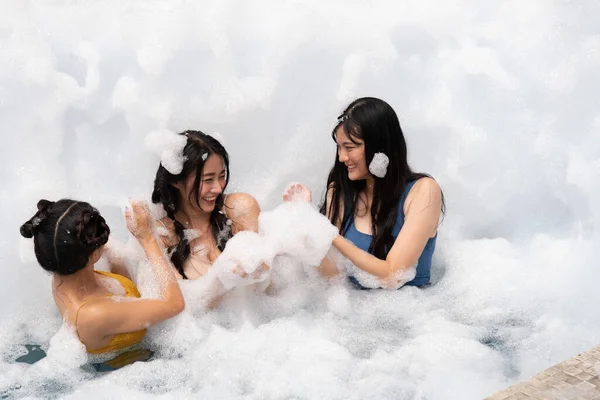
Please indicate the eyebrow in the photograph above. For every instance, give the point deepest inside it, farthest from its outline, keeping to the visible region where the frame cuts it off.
(212, 174)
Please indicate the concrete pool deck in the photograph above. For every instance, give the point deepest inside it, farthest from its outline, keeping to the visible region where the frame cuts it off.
(575, 379)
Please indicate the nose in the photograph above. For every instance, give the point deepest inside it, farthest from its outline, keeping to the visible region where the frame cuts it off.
(216, 188)
(342, 155)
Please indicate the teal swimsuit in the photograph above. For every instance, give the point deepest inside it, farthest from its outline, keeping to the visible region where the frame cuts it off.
(363, 241)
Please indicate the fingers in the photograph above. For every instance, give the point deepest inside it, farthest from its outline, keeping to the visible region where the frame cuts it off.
(297, 191)
(260, 270)
(138, 218)
(137, 211)
(127, 212)
(239, 271)
(140, 207)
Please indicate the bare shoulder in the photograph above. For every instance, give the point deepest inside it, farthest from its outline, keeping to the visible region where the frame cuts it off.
(92, 315)
(240, 203)
(425, 192)
(427, 184)
(243, 210)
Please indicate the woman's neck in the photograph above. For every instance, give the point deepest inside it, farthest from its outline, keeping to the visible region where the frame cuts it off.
(193, 218)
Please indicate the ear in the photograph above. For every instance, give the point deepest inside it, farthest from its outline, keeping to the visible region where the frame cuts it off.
(96, 254)
(179, 186)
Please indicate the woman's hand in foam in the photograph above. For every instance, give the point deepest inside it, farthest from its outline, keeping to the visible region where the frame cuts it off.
(262, 270)
(258, 273)
(139, 221)
(232, 273)
(297, 192)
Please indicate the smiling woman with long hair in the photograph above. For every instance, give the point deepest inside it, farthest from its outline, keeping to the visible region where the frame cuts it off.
(387, 215)
(201, 218)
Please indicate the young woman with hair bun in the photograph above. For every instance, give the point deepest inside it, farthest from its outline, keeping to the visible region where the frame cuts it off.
(69, 238)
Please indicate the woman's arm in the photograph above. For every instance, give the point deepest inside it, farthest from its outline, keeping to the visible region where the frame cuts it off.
(328, 269)
(422, 212)
(112, 317)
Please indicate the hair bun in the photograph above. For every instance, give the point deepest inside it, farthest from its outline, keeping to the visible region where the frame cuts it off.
(43, 206)
(27, 230)
(92, 230)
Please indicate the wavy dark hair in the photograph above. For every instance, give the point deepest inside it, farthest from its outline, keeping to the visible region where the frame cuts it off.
(65, 233)
(375, 123)
(197, 149)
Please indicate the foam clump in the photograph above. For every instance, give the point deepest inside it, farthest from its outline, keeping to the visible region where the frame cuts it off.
(297, 229)
(338, 300)
(66, 352)
(169, 146)
(393, 282)
(379, 164)
(200, 293)
(242, 257)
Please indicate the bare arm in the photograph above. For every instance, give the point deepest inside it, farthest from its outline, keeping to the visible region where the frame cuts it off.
(109, 317)
(422, 210)
(135, 315)
(243, 210)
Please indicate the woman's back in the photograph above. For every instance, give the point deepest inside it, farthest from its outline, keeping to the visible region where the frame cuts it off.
(113, 287)
(69, 238)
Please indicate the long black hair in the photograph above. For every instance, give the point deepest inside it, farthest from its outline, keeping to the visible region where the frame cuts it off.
(198, 148)
(65, 234)
(375, 123)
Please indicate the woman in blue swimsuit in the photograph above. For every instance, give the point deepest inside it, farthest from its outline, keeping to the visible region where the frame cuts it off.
(387, 215)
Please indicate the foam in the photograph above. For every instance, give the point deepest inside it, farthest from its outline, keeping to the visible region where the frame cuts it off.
(169, 146)
(378, 165)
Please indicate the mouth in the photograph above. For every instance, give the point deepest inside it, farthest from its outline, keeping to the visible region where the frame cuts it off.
(210, 199)
(351, 167)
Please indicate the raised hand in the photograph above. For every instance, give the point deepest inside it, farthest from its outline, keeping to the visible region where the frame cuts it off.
(297, 192)
(138, 219)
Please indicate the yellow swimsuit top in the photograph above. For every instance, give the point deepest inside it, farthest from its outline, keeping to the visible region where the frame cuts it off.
(119, 341)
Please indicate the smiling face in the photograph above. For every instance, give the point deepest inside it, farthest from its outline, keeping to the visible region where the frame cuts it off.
(212, 184)
(351, 152)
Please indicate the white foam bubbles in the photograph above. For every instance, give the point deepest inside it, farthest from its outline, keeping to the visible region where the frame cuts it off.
(243, 255)
(297, 229)
(169, 146)
(379, 164)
